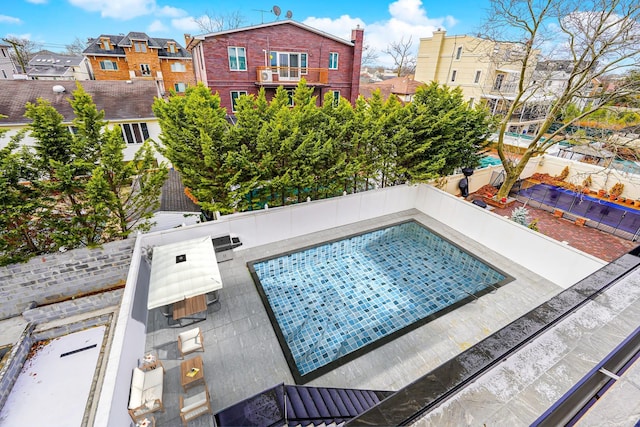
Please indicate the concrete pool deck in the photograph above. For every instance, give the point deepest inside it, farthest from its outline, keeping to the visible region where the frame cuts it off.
(243, 357)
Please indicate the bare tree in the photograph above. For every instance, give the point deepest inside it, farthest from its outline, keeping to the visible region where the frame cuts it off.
(596, 36)
(369, 55)
(210, 22)
(23, 50)
(76, 47)
(403, 56)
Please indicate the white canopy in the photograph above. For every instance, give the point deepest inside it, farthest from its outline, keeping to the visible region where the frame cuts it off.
(183, 270)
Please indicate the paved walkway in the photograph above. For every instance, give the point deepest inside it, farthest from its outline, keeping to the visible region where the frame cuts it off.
(594, 242)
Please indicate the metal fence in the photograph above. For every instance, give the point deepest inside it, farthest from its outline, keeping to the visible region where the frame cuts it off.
(623, 221)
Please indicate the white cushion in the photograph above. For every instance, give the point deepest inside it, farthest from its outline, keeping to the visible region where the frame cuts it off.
(135, 400)
(154, 377)
(191, 333)
(137, 380)
(193, 402)
(189, 346)
(151, 394)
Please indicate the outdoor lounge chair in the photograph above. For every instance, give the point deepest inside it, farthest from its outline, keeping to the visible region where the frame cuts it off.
(190, 341)
(146, 392)
(195, 406)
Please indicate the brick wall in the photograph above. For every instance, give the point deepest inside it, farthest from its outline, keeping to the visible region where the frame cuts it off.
(172, 77)
(283, 38)
(122, 73)
(56, 277)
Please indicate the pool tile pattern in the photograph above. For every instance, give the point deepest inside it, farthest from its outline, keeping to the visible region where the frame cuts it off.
(334, 299)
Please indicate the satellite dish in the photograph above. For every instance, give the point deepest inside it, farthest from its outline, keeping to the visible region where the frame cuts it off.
(276, 11)
(289, 14)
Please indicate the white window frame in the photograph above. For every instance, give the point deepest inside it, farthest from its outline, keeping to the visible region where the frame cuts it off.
(458, 53)
(235, 55)
(281, 61)
(180, 87)
(134, 133)
(333, 60)
(140, 46)
(477, 76)
(238, 94)
(113, 64)
(178, 67)
(454, 74)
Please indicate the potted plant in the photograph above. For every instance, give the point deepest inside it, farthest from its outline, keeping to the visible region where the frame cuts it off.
(601, 193)
(616, 190)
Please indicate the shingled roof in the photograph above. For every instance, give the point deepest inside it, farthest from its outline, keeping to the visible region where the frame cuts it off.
(119, 100)
(122, 41)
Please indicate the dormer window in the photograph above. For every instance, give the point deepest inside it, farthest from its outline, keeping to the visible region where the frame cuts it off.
(172, 47)
(140, 46)
(105, 43)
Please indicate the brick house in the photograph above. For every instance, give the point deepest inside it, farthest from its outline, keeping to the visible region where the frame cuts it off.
(241, 61)
(137, 56)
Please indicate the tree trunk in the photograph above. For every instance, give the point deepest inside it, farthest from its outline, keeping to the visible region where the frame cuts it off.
(512, 174)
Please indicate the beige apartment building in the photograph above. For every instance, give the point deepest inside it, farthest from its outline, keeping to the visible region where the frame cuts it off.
(485, 70)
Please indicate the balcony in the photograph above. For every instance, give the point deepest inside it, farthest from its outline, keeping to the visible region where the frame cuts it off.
(144, 75)
(290, 76)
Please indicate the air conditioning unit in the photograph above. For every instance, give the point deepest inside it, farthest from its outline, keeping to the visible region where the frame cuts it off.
(266, 76)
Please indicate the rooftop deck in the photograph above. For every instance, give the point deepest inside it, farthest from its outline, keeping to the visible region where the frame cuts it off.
(243, 357)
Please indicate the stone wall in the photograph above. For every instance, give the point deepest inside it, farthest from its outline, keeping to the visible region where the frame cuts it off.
(56, 277)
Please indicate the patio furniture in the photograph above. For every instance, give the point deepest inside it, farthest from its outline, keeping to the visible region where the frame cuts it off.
(191, 372)
(190, 341)
(195, 406)
(190, 310)
(146, 392)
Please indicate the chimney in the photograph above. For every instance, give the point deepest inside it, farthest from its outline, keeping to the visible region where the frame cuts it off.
(357, 38)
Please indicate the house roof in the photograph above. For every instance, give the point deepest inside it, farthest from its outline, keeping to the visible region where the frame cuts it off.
(121, 41)
(397, 86)
(55, 59)
(119, 100)
(172, 198)
(269, 24)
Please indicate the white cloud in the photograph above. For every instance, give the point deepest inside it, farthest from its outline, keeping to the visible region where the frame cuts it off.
(10, 20)
(187, 24)
(37, 1)
(407, 18)
(171, 12)
(157, 27)
(118, 9)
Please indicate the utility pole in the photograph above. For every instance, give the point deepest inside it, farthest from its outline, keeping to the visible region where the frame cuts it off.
(15, 45)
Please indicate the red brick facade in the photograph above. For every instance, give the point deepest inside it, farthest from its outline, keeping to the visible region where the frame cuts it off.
(211, 59)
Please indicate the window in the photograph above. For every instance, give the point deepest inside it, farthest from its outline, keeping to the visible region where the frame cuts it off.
(336, 98)
(290, 93)
(172, 47)
(471, 101)
(235, 94)
(476, 79)
(288, 65)
(105, 43)
(237, 59)
(180, 87)
(333, 60)
(498, 83)
(140, 46)
(145, 70)
(453, 75)
(178, 67)
(459, 52)
(108, 65)
(135, 133)
(72, 130)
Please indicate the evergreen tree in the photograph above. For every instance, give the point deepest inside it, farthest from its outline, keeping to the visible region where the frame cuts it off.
(193, 138)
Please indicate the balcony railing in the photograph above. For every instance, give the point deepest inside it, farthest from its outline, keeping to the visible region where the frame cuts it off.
(138, 74)
(504, 89)
(291, 75)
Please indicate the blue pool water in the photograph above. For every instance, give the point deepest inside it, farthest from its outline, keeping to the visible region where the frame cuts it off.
(331, 301)
(489, 161)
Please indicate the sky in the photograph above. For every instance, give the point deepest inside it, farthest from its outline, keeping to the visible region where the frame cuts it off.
(56, 23)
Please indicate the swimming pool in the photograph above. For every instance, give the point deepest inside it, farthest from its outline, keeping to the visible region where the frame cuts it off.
(332, 303)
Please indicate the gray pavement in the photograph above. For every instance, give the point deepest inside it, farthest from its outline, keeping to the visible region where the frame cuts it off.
(243, 357)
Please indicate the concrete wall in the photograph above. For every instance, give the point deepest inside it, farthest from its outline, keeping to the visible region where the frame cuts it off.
(10, 371)
(55, 277)
(549, 258)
